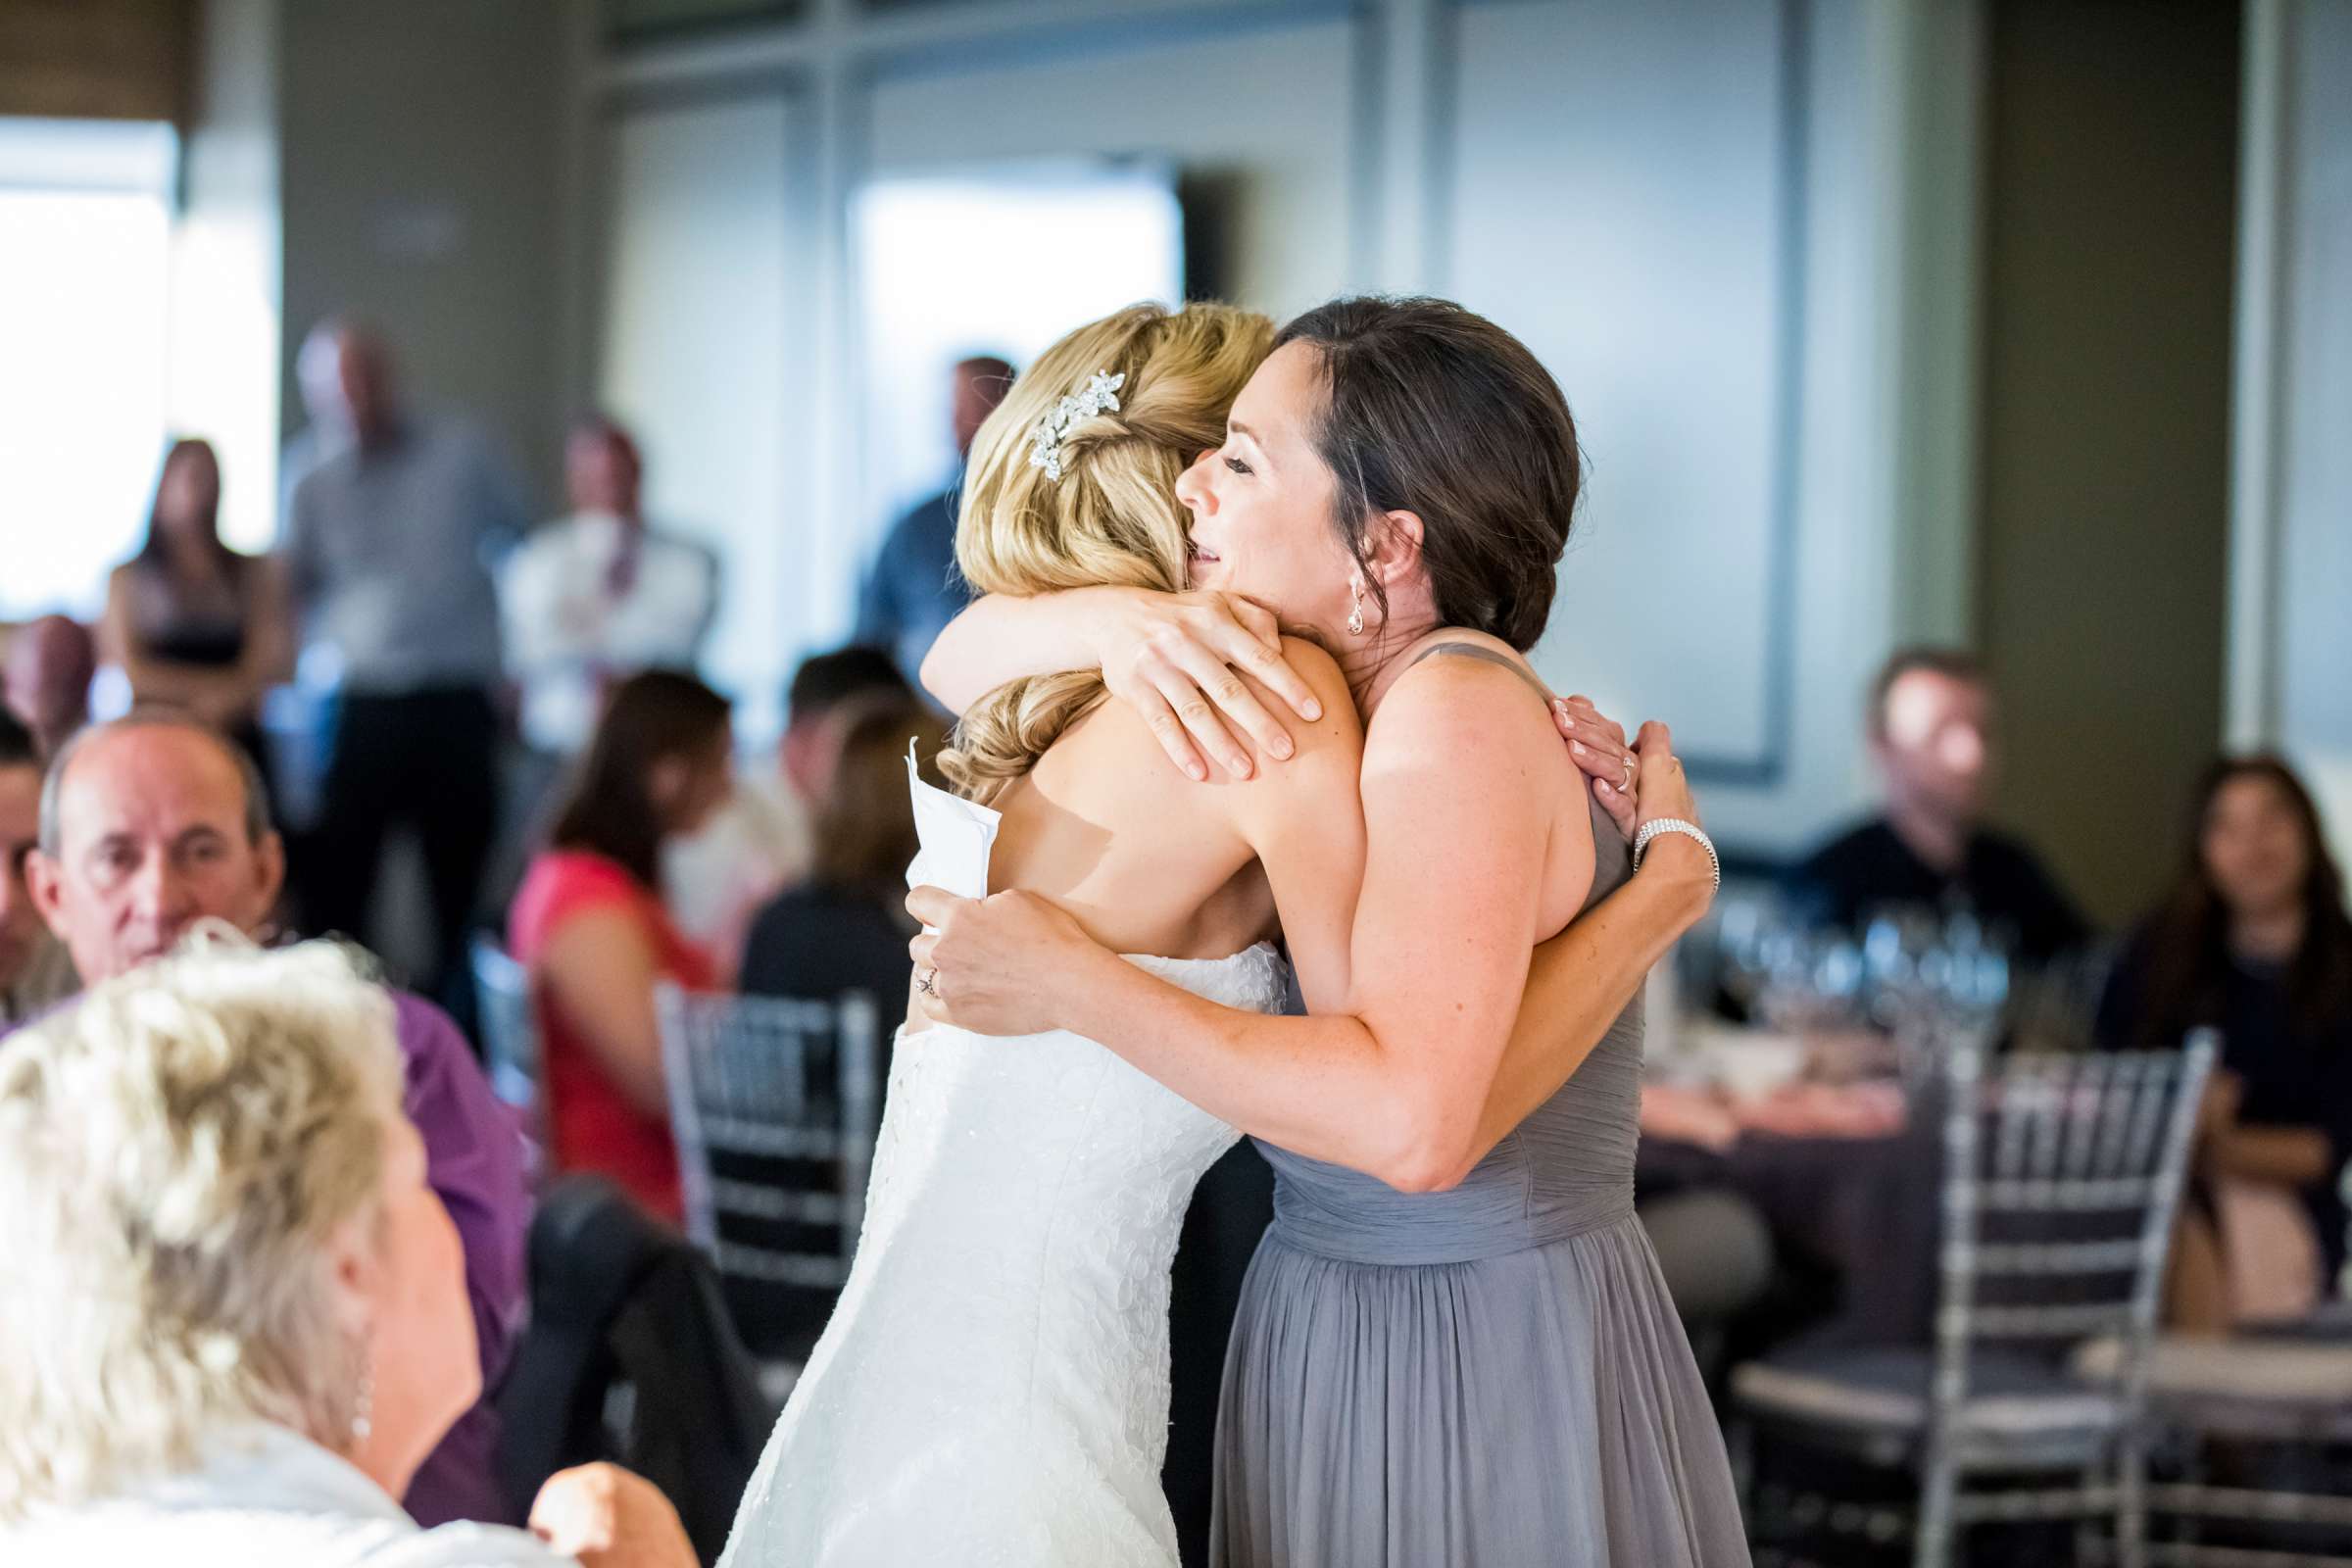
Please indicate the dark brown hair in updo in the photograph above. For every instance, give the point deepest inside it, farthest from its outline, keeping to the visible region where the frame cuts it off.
(1433, 410)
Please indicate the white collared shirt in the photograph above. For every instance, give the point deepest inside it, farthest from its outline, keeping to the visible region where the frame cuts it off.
(266, 1497)
(567, 632)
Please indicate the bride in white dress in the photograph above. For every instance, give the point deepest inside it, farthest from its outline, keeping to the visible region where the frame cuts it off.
(993, 1386)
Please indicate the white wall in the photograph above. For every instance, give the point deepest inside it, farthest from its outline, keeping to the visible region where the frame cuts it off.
(223, 355)
(697, 348)
(421, 186)
(1704, 216)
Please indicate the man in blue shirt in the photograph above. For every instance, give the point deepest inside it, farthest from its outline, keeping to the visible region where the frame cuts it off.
(913, 589)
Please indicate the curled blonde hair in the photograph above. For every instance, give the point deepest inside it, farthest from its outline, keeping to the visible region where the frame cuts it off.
(176, 1150)
(1111, 518)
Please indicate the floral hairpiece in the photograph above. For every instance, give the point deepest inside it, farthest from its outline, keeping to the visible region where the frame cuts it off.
(1099, 395)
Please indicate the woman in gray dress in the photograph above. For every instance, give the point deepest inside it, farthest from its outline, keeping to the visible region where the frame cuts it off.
(1454, 1345)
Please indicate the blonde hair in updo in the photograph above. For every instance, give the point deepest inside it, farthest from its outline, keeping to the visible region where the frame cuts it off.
(1111, 518)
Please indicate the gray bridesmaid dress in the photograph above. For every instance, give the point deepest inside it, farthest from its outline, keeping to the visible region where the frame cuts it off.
(1491, 1376)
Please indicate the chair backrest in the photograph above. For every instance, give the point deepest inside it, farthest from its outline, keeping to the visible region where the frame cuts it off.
(2062, 1177)
(774, 1104)
(510, 1027)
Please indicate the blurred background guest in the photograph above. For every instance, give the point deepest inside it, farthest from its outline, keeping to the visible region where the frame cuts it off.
(1932, 737)
(34, 971)
(191, 623)
(234, 1315)
(913, 589)
(386, 545)
(154, 823)
(51, 662)
(844, 926)
(825, 690)
(716, 879)
(598, 595)
(590, 927)
(2254, 941)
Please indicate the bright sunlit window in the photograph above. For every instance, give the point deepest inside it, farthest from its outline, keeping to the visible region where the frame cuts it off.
(991, 262)
(84, 290)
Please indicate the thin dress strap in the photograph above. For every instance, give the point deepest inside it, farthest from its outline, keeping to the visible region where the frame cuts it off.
(1481, 651)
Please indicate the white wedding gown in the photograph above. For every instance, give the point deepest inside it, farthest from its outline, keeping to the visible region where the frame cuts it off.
(994, 1385)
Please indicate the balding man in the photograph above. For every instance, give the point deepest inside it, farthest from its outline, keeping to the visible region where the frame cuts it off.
(51, 662)
(387, 549)
(151, 825)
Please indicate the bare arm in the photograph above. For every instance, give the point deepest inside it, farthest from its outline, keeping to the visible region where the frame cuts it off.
(2295, 1157)
(1175, 658)
(1305, 824)
(600, 969)
(1411, 1083)
(1000, 638)
(268, 630)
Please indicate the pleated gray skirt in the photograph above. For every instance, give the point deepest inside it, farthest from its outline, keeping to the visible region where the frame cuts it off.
(1534, 1408)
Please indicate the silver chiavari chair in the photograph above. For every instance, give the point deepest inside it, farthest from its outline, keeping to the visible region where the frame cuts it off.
(2062, 1177)
(774, 1104)
(2260, 1422)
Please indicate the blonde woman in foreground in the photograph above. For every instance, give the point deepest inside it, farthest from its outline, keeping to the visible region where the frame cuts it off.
(993, 1387)
(233, 1317)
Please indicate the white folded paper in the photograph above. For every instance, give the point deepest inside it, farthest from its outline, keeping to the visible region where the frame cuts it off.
(955, 834)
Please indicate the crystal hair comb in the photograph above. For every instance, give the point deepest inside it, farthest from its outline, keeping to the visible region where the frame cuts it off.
(1099, 395)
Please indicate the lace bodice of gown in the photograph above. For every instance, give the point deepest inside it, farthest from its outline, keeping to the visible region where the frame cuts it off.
(994, 1383)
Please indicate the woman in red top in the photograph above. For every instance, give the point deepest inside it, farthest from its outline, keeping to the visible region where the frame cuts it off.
(590, 928)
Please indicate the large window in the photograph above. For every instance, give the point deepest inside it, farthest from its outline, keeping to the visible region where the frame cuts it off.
(84, 285)
(1000, 259)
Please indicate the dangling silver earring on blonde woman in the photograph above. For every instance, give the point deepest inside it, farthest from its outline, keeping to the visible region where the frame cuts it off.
(1355, 609)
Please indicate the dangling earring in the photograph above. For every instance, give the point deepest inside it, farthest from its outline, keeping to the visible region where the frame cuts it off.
(362, 1413)
(1355, 609)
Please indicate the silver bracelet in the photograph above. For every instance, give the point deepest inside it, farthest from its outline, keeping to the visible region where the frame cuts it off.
(1675, 824)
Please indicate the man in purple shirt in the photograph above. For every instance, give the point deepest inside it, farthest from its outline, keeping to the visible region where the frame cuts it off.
(151, 825)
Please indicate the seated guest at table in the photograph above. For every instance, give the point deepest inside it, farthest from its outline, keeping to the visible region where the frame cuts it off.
(193, 623)
(34, 971)
(590, 927)
(824, 689)
(51, 662)
(2255, 942)
(233, 1321)
(1931, 736)
(759, 842)
(153, 823)
(845, 927)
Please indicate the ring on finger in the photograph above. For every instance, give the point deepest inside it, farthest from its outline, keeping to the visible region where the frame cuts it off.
(928, 981)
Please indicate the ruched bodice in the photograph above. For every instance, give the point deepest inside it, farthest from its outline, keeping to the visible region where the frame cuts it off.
(1568, 1168)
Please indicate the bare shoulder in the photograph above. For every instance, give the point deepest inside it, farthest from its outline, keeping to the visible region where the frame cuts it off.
(1340, 726)
(1452, 702)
